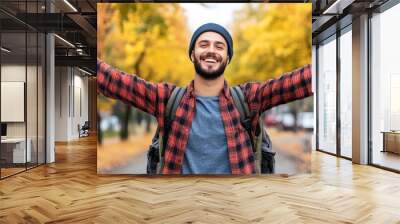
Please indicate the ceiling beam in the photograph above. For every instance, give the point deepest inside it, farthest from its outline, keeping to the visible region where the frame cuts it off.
(78, 61)
(84, 24)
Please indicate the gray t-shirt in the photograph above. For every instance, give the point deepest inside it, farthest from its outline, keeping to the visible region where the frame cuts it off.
(207, 151)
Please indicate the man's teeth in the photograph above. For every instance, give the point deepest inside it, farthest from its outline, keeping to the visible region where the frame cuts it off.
(210, 60)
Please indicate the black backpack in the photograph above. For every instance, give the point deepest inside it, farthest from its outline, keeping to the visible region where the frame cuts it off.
(261, 143)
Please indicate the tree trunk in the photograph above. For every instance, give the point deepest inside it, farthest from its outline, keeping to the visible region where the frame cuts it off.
(125, 122)
(148, 123)
(295, 121)
(139, 117)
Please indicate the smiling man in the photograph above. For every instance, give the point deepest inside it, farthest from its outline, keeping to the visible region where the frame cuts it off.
(206, 135)
(211, 54)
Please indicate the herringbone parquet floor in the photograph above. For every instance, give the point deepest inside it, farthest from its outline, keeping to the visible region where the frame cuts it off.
(70, 191)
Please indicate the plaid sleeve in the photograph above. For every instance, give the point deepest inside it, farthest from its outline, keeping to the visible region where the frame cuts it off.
(289, 87)
(130, 89)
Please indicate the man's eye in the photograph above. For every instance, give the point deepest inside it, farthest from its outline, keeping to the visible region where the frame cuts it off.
(203, 45)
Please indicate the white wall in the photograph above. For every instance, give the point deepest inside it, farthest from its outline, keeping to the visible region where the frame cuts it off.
(12, 73)
(71, 94)
(61, 103)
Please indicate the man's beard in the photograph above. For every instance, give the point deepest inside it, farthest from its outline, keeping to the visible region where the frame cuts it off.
(209, 75)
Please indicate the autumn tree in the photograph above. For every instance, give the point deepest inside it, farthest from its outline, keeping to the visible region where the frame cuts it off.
(270, 39)
(148, 40)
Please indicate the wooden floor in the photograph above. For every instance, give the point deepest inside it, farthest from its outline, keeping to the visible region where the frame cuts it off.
(5, 172)
(70, 191)
(387, 159)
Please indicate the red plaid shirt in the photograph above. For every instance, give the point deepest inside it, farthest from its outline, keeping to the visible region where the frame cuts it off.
(153, 97)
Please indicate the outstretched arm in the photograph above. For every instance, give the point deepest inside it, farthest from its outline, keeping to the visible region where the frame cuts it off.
(289, 87)
(130, 89)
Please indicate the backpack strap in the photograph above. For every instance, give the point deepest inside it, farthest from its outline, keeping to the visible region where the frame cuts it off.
(245, 119)
(240, 103)
(172, 105)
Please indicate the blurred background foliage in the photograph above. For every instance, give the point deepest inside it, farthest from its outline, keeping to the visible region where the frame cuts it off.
(270, 39)
(151, 40)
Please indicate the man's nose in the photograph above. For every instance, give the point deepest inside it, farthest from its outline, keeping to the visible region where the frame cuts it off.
(211, 48)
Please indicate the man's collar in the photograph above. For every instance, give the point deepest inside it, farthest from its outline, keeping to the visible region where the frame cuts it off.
(224, 90)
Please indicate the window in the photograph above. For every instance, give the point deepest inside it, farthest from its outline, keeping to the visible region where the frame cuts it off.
(385, 88)
(327, 95)
(23, 77)
(346, 92)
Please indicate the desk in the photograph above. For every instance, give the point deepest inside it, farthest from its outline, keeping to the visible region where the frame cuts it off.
(15, 148)
(391, 141)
